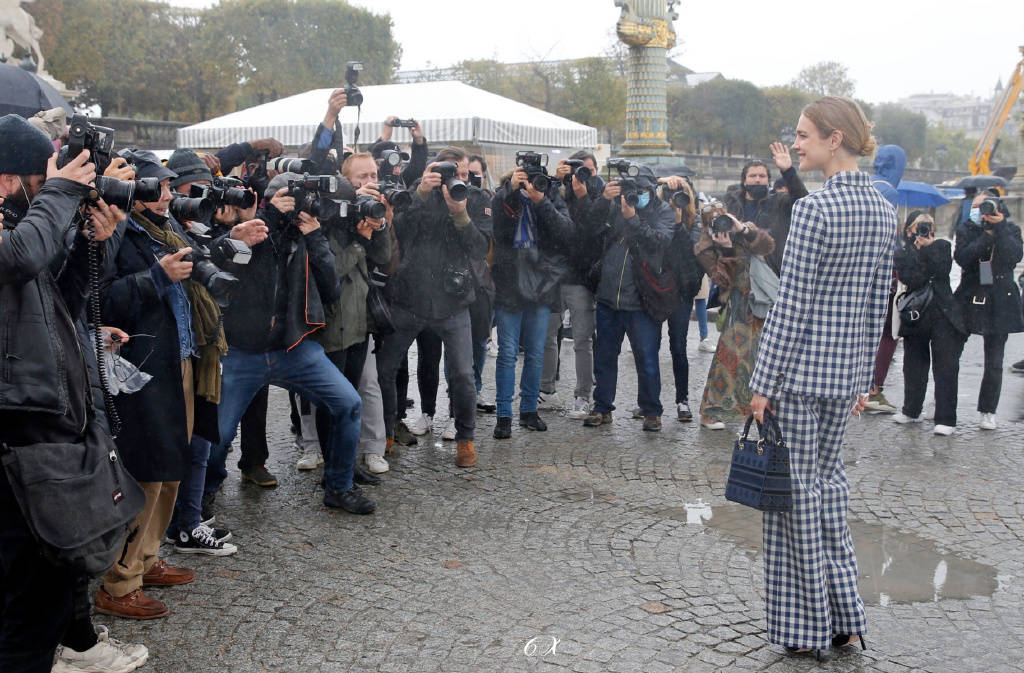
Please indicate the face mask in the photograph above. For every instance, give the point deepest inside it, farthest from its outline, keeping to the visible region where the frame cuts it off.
(975, 215)
(643, 200)
(13, 208)
(757, 192)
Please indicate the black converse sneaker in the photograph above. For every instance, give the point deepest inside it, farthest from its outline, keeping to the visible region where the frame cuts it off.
(202, 541)
(220, 534)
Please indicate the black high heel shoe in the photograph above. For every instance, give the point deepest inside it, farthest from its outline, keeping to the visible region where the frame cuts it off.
(820, 655)
(843, 640)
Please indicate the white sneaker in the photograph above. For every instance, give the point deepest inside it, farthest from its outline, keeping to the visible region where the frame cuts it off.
(310, 460)
(106, 656)
(375, 464)
(708, 345)
(903, 419)
(449, 429)
(550, 402)
(420, 425)
(988, 421)
(580, 409)
(711, 424)
(944, 430)
(492, 348)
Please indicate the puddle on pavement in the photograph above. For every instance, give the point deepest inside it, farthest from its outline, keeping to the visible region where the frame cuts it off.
(895, 567)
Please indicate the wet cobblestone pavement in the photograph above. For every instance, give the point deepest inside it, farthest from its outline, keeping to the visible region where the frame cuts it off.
(605, 549)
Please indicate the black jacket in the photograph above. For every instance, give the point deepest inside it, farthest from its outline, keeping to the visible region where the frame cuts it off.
(549, 261)
(916, 268)
(773, 212)
(44, 392)
(283, 289)
(434, 245)
(996, 308)
(585, 252)
(649, 232)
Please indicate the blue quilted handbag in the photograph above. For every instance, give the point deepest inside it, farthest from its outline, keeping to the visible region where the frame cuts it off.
(759, 475)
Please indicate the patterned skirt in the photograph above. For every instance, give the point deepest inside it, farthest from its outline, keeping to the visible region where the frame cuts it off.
(727, 391)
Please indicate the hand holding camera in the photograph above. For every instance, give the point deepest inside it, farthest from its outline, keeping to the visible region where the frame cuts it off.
(283, 201)
(177, 268)
(990, 214)
(307, 223)
(79, 169)
(104, 220)
(430, 181)
(250, 233)
(120, 169)
(338, 100)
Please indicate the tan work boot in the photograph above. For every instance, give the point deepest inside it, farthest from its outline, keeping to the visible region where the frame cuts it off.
(389, 447)
(466, 456)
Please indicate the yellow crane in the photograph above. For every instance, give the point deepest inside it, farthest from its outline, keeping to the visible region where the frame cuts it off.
(979, 164)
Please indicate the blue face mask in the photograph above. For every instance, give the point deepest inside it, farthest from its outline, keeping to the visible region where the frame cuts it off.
(643, 200)
(976, 215)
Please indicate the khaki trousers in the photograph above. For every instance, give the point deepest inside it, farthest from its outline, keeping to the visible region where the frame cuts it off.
(142, 552)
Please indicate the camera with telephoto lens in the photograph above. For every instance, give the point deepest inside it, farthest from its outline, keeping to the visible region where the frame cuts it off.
(84, 135)
(224, 192)
(630, 190)
(124, 193)
(402, 123)
(364, 206)
(535, 166)
(449, 171)
(290, 165)
(354, 96)
(224, 249)
(392, 189)
(188, 209)
(581, 172)
(679, 198)
(217, 282)
(721, 224)
(307, 192)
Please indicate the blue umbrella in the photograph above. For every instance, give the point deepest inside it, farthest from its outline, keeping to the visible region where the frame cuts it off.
(919, 195)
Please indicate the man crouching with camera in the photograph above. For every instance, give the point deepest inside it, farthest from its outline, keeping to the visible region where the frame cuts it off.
(445, 229)
(280, 302)
(44, 387)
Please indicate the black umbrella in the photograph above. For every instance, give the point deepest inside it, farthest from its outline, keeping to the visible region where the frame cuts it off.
(979, 182)
(23, 93)
(663, 171)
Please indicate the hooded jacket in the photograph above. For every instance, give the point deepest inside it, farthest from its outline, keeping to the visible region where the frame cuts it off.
(773, 212)
(890, 160)
(995, 308)
(649, 232)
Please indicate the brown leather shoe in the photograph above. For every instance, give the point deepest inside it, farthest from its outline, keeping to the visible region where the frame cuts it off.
(163, 575)
(466, 454)
(389, 447)
(134, 605)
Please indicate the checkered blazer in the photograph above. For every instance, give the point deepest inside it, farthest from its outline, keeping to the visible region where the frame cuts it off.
(821, 336)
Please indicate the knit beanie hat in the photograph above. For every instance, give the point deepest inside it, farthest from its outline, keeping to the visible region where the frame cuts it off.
(188, 166)
(24, 149)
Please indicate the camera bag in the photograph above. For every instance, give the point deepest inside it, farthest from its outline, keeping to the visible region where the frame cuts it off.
(77, 499)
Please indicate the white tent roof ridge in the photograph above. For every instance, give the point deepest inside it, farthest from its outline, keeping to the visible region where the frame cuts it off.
(449, 111)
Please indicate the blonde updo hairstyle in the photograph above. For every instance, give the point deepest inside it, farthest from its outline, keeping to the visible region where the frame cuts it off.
(838, 113)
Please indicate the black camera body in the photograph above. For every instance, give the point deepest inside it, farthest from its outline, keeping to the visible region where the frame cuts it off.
(364, 206)
(535, 166)
(580, 170)
(722, 224)
(924, 229)
(217, 282)
(84, 135)
(392, 189)
(402, 123)
(679, 198)
(189, 209)
(354, 96)
(989, 206)
(307, 192)
(449, 171)
(624, 167)
(476, 180)
(224, 192)
(630, 190)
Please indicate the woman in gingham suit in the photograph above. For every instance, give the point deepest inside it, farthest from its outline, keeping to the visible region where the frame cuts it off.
(814, 362)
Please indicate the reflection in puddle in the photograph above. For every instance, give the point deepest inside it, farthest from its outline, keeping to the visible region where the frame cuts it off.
(894, 567)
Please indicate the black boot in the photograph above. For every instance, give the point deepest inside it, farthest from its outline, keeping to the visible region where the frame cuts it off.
(532, 421)
(361, 476)
(503, 428)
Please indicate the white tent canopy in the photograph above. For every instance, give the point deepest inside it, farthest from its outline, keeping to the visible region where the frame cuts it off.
(449, 112)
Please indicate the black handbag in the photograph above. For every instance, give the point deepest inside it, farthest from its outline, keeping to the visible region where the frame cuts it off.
(77, 499)
(759, 475)
(912, 305)
(377, 308)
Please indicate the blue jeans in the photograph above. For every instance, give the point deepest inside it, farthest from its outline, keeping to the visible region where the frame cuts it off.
(532, 323)
(188, 511)
(304, 370)
(678, 329)
(701, 307)
(644, 337)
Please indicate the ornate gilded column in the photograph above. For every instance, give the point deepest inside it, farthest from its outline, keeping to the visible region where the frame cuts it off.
(646, 27)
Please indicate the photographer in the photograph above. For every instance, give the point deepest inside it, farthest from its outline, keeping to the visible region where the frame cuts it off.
(630, 235)
(356, 246)
(417, 159)
(577, 291)
(725, 249)
(278, 303)
(439, 237)
(988, 247)
(39, 402)
(532, 232)
(923, 265)
(750, 201)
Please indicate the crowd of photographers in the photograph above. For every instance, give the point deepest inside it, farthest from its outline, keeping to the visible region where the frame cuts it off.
(155, 301)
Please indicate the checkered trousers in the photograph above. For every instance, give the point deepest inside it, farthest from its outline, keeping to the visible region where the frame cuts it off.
(821, 335)
(810, 565)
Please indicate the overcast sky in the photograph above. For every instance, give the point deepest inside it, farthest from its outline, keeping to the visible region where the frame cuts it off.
(892, 47)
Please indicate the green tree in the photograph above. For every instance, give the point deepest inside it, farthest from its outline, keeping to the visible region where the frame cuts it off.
(723, 114)
(828, 78)
(783, 105)
(896, 125)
